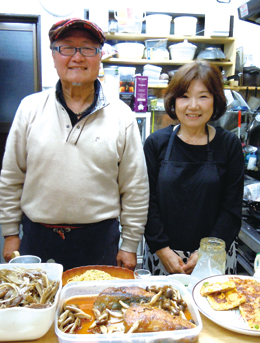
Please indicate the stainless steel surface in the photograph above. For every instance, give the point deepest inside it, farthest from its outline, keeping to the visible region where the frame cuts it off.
(246, 265)
(250, 236)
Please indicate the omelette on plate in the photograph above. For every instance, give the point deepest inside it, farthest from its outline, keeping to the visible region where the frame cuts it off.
(250, 310)
(237, 292)
(223, 301)
(209, 288)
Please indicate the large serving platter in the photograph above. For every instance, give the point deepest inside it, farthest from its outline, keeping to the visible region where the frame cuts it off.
(121, 273)
(232, 319)
(85, 288)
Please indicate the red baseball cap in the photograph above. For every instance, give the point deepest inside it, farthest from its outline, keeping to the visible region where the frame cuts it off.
(59, 28)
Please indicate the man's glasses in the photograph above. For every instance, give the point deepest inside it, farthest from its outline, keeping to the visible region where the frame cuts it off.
(71, 51)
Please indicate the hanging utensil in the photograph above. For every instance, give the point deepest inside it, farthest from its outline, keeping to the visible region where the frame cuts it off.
(239, 124)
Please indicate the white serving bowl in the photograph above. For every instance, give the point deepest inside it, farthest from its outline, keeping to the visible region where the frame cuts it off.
(130, 50)
(21, 323)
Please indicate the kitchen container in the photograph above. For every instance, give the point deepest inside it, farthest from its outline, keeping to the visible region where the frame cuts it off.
(126, 73)
(182, 52)
(211, 53)
(251, 76)
(157, 54)
(157, 83)
(142, 273)
(26, 259)
(111, 81)
(130, 50)
(156, 49)
(94, 288)
(153, 72)
(158, 25)
(21, 323)
(185, 26)
(129, 20)
(156, 43)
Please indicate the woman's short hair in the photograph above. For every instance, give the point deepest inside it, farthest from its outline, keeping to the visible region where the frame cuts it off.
(204, 71)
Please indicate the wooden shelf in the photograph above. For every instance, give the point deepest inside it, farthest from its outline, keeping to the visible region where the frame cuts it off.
(171, 38)
(242, 88)
(229, 48)
(143, 61)
(225, 87)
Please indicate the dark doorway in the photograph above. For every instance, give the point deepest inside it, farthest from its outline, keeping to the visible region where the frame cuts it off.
(20, 66)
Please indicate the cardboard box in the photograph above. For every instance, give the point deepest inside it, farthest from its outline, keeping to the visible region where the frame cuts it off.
(140, 93)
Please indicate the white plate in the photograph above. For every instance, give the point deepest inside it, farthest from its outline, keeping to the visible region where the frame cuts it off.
(232, 319)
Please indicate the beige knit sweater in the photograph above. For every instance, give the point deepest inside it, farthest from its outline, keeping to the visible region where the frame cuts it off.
(56, 173)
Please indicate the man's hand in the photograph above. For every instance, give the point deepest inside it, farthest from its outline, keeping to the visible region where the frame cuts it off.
(126, 259)
(12, 243)
(171, 261)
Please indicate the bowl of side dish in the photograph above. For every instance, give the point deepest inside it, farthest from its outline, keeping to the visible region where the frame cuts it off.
(27, 312)
(95, 273)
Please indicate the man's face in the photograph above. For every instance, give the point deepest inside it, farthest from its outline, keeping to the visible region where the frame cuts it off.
(77, 69)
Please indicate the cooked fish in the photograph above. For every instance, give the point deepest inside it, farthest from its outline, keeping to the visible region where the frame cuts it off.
(145, 318)
(111, 296)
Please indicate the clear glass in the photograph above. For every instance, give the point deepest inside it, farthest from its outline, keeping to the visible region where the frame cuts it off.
(141, 273)
(215, 248)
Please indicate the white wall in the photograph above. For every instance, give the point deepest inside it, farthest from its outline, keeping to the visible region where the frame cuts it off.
(245, 32)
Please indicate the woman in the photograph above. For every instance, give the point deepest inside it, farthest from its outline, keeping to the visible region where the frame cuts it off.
(195, 173)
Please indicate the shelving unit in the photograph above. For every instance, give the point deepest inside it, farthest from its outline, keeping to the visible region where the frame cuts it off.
(228, 45)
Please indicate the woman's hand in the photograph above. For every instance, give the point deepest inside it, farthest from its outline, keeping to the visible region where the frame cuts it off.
(192, 261)
(171, 261)
(12, 243)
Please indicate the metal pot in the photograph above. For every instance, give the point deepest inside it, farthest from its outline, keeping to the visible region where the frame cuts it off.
(250, 199)
(251, 76)
(253, 208)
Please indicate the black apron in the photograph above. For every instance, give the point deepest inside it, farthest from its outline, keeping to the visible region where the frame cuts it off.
(92, 244)
(189, 197)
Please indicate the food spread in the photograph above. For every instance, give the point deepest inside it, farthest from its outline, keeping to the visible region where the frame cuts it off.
(92, 275)
(129, 310)
(21, 287)
(241, 293)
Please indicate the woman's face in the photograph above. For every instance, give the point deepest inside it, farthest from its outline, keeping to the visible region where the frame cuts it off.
(195, 107)
(77, 69)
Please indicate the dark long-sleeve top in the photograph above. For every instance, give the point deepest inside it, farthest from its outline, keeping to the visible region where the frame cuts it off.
(227, 153)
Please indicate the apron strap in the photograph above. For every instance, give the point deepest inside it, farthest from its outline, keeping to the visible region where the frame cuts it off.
(209, 152)
(169, 147)
(174, 133)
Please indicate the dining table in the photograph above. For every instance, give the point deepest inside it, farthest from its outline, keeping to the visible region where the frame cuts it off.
(210, 333)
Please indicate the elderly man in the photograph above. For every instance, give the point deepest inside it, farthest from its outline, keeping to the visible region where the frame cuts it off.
(74, 165)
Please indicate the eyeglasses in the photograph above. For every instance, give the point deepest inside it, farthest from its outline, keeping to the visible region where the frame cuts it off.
(87, 51)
